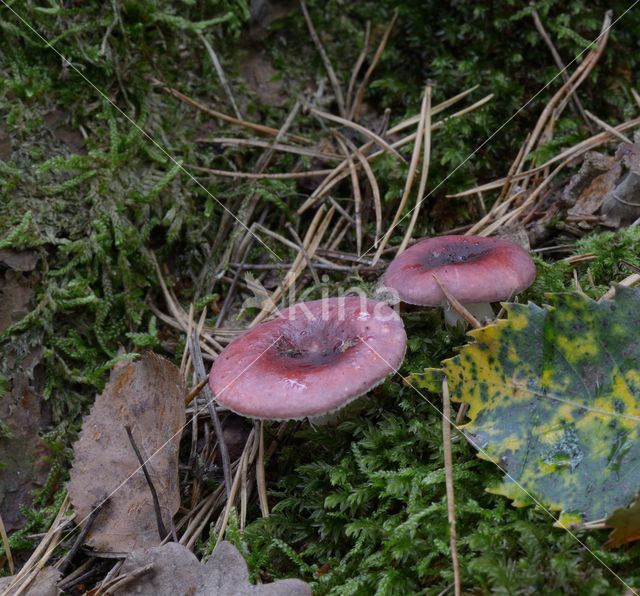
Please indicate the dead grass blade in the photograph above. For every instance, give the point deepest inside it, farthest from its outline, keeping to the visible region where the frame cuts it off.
(608, 128)
(413, 165)
(357, 195)
(457, 305)
(424, 170)
(448, 474)
(253, 176)
(220, 72)
(357, 66)
(372, 136)
(373, 183)
(7, 548)
(556, 104)
(559, 63)
(354, 113)
(272, 145)
(41, 554)
(266, 130)
(335, 84)
(341, 170)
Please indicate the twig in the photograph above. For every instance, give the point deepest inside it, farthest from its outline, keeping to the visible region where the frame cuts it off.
(325, 60)
(74, 580)
(201, 375)
(220, 72)
(559, 63)
(162, 530)
(120, 581)
(195, 392)
(448, 471)
(95, 510)
(354, 113)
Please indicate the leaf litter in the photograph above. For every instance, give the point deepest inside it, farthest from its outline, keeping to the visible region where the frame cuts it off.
(148, 397)
(176, 570)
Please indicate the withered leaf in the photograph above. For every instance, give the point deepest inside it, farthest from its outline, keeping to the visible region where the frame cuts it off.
(147, 396)
(625, 524)
(176, 570)
(43, 584)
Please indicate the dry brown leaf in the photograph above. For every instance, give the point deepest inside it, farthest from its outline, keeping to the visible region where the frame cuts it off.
(176, 570)
(625, 524)
(607, 186)
(44, 584)
(148, 396)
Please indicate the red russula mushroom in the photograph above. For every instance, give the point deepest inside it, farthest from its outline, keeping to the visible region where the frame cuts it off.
(311, 360)
(474, 269)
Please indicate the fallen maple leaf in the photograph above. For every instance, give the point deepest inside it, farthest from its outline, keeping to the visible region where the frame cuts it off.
(554, 400)
(147, 396)
(176, 570)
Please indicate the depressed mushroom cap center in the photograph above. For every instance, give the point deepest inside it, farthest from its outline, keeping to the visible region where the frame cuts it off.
(315, 348)
(450, 255)
(312, 359)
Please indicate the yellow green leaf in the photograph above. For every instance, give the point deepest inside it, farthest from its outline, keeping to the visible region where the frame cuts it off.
(554, 400)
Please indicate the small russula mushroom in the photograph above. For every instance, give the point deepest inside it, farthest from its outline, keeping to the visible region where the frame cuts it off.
(474, 269)
(313, 359)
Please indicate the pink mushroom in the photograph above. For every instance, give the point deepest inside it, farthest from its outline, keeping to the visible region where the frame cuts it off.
(313, 359)
(474, 269)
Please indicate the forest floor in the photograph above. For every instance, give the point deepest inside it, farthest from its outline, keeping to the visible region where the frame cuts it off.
(166, 167)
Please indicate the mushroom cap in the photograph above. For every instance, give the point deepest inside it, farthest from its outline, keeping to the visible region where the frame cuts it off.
(314, 358)
(473, 268)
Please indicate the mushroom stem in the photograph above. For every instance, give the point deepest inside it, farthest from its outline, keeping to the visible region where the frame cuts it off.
(480, 310)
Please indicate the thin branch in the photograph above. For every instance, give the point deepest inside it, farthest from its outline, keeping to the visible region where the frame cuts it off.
(162, 530)
(95, 510)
